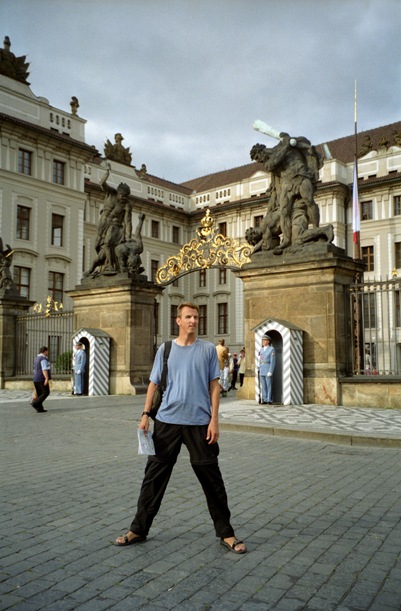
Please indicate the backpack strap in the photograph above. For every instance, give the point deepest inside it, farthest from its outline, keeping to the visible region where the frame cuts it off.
(167, 349)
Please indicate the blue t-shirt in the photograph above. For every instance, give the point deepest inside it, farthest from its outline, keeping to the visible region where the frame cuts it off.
(190, 369)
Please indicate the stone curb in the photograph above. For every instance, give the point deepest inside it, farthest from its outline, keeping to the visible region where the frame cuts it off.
(350, 439)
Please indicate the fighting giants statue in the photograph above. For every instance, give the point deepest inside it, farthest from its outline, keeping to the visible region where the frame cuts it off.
(116, 250)
(294, 166)
(128, 253)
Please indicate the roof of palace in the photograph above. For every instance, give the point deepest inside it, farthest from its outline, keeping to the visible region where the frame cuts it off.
(342, 149)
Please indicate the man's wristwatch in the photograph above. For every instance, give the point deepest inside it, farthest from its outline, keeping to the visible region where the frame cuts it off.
(145, 414)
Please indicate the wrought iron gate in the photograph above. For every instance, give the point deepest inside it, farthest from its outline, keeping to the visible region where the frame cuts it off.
(52, 330)
(375, 328)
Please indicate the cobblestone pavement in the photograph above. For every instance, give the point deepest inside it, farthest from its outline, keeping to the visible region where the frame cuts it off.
(356, 423)
(349, 424)
(322, 521)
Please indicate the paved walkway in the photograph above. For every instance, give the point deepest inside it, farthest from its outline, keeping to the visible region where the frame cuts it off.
(322, 521)
(347, 425)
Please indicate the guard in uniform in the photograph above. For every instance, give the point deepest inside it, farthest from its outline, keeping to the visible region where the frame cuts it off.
(267, 362)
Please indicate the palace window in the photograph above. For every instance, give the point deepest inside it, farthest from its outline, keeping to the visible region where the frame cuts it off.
(58, 172)
(202, 327)
(202, 277)
(57, 230)
(22, 279)
(56, 286)
(369, 310)
(222, 275)
(368, 256)
(23, 218)
(24, 162)
(176, 235)
(222, 318)
(154, 266)
(397, 252)
(155, 229)
(223, 229)
(397, 205)
(367, 210)
(173, 320)
(257, 221)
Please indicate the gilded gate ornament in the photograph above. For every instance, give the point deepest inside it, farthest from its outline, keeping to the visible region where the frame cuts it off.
(49, 307)
(210, 250)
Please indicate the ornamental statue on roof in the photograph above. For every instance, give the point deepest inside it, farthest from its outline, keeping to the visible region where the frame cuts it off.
(116, 151)
(12, 66)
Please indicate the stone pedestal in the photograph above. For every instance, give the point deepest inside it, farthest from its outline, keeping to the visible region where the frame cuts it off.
(306, 289)
(123, 307)
(11, 306)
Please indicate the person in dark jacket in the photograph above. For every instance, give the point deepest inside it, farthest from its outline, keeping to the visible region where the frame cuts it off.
(41, 379)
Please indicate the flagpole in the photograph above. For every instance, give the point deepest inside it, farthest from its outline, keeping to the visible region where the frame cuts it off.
(355, 198)
(356, 225)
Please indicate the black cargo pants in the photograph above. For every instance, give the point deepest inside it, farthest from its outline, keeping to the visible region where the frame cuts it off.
(168, 439)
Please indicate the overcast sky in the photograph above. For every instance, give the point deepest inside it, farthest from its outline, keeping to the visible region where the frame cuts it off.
(183, 80)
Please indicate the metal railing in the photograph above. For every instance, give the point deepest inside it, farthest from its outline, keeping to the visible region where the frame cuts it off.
(375, 328)
(52, 330)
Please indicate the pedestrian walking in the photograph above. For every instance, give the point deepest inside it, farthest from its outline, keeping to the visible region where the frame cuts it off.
(41, 379)
(222, 355)
(242, 367)
(235, 368)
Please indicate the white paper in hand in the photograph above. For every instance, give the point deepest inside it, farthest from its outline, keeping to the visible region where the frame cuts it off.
(145, 443)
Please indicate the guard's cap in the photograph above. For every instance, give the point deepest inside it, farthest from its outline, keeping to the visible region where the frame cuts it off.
(265, 336)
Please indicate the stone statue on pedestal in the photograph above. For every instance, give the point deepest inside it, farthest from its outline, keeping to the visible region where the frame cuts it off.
(128, 253)
(6, 257)
(74, 105)
(117, 251)
(292, 211)
(12, 66)
(117, 152)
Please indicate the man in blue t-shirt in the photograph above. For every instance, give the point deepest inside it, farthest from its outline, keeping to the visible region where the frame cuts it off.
(41, 379)
(188, 414)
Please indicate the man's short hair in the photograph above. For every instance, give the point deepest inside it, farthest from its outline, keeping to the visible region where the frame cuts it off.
(43, 349)
(186, 304)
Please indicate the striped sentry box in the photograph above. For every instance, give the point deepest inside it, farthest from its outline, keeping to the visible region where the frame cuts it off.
(292, 359)
(99, 359)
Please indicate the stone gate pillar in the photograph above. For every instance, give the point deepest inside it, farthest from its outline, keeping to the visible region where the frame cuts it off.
(122, 307)
(306, 289)
(11, 306)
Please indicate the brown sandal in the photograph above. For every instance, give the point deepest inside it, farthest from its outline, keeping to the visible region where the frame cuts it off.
(130, 541)
(233, 546)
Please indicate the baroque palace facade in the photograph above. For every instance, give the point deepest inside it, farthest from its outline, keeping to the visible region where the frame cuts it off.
(51, 201)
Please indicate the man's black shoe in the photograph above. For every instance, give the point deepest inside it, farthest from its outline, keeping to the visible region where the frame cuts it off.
(40, 409)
